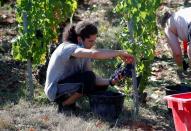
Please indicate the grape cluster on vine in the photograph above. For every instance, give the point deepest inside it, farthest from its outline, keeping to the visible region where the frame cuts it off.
(124, 71)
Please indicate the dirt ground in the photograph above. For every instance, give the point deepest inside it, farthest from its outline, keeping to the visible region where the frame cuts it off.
(16, 114)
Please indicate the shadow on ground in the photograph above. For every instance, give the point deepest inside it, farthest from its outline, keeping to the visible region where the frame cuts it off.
(11, 80)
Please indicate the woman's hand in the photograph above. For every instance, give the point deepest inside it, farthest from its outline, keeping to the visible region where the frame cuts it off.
(129, 59)
(115, 80)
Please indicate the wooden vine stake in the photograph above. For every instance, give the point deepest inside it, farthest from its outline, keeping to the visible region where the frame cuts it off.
(134, 78)
(30, 93)
(135, 95)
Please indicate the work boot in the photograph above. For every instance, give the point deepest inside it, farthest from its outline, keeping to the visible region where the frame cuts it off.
(62, 108)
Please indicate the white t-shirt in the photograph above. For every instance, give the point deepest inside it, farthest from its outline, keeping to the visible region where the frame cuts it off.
(179, 21)
(62, 65)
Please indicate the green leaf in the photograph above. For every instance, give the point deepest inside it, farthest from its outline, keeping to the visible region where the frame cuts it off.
(143, 15)
(143, 32)
(44, 15)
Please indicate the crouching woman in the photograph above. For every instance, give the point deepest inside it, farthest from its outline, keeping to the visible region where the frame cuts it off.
(69, 74)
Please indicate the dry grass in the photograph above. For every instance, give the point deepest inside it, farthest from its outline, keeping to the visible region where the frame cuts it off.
(31, 117)
(6, 121)
(27, 117)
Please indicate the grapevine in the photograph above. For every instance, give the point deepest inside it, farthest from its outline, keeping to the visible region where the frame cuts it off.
(38, 22)
(43, 19)
(139, 33)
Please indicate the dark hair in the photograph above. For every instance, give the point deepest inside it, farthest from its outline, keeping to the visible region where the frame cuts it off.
(83, 29)
(164, 18)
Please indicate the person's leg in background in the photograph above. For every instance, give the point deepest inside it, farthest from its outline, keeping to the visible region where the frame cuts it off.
(185, 59)
(174, 44)
(185, 46)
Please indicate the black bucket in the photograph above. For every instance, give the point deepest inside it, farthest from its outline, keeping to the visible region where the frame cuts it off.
(107, 104)
(176, 89)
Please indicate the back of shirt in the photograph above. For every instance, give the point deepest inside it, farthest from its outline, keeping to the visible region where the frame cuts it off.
(179, 22)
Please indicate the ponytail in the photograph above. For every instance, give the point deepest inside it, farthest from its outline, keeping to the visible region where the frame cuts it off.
(70, 35)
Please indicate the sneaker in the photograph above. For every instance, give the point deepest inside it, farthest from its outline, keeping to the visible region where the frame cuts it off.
(75, 107)
(62, 108)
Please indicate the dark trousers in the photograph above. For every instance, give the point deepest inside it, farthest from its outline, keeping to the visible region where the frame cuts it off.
(87, 80)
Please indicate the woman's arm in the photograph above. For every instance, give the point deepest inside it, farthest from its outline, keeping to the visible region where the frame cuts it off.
(105, 82)
(102, 54)
(102, 81)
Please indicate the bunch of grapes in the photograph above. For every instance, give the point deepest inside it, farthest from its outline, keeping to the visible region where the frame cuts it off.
(123, 71)
(126, 72)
